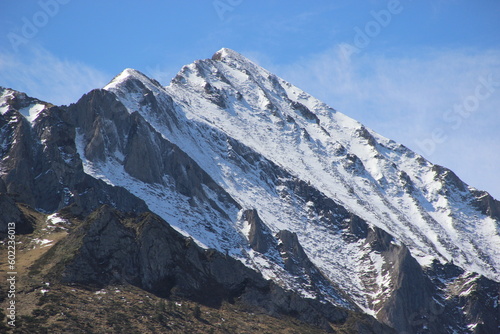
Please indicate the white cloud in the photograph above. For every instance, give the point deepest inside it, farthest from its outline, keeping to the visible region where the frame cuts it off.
(407, 98)
(40, 74)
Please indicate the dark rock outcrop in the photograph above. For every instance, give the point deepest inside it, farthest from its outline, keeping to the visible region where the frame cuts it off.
(20, 156)
(145, 251)
(487, 204)
(413, 296)
(379, 240)
(304, 111)
(449, 179)
(41, 165)
(43, 160)
(259, 237)
(481, 305)
(147, 156)
(472, 301)
(294, 257)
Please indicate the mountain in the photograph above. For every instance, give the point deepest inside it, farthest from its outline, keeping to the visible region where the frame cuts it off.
(233, 185)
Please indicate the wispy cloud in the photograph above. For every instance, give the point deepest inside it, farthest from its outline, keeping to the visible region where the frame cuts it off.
(163, 73)
(40, 74)
(408, 98)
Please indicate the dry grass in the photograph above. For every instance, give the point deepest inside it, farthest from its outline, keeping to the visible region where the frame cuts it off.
(127, 309)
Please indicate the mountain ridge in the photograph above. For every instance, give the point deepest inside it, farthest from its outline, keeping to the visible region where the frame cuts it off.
(353, 163)
(246, 163)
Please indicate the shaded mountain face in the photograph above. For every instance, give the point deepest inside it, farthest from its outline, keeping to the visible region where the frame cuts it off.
(281, 184)
(145, 251)
(40, 164)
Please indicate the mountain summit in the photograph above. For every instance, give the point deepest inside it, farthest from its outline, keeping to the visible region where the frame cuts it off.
(280, 185)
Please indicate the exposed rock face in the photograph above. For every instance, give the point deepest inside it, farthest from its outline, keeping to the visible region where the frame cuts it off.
(101, 118)
(345, 216)
(42, 168)
(18, 176)
(471, 300)
(259, 237)
(145, 251)
(110, 132)
(487, 204)
(481, 305)
(293, 254)
(412, 295)
(379, 240)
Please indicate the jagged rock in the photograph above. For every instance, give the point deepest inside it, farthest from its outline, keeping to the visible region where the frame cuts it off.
(412, 296)
(298, 263)
(357, 227)
(304, 111)
(353, 164)
(379, 240)
(20, 158)
(481, 306)
(102, 120)
(205, 163)
(43, 169)
(147, 156)
(142, 153)
(449, 178)
(294, 257)
(363, 133)
(471, 299)
(487, 204)
(259, 237)
(145, 251)
(444, 272)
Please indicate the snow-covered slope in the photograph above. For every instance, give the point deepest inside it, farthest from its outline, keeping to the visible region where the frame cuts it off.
(425, 206)
(248, 164)
(312, 170)
(255, 182)
(30, 108)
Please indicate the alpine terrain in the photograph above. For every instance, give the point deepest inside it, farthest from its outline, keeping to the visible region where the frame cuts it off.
(240, 202)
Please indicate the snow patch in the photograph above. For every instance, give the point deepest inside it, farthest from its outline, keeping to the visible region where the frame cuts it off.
(31, 112)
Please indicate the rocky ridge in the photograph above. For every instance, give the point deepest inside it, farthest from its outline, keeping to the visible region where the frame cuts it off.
(268, 180)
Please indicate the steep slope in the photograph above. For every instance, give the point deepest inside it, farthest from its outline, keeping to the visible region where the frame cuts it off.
(259, 137)
(251, 166)
(39, 163)
(135, 156)
(425, 206)
(117, 248)
(145, 251)
(258, 182)
(137, 272)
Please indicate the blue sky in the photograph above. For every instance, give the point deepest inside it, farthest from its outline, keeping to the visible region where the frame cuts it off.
(424, 73)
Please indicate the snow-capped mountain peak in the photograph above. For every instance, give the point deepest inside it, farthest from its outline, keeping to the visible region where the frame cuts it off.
(227, 55)
(28, 107)
(129, 76)
(381, 181)
(228, 108)
(246, 163)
